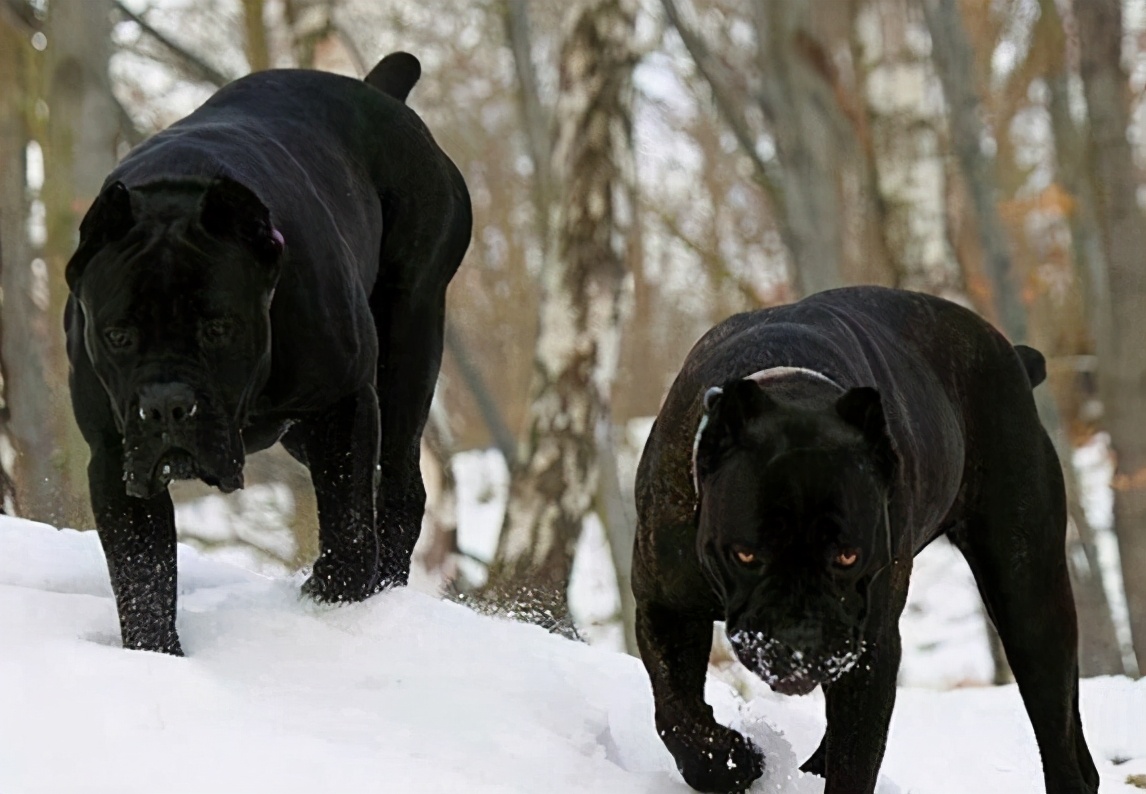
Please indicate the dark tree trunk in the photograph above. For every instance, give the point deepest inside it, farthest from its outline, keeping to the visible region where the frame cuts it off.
(796, 89)
(1121, 352)
(953, 62)
(15, 253)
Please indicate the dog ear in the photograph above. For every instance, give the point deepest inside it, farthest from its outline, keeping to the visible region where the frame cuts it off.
(862, 408)
(727, 412)
(230, 209)
(108, 219)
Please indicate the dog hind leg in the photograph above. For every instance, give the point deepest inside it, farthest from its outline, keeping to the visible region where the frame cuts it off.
(1016, 551)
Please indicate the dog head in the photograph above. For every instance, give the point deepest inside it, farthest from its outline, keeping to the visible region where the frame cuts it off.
(793, 526)
(175, 280)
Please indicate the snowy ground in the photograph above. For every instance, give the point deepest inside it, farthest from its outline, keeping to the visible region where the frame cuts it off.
(408, 693)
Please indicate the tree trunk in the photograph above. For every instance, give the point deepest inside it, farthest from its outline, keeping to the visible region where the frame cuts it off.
(953, 62)
(810, 134)
(255, 38)
(15, 254)
(79, 151)
(582, 305)
(1099, 650)
(797, 90)
(910, 160)
(618, 516)
(1121, 353)
(437, 550)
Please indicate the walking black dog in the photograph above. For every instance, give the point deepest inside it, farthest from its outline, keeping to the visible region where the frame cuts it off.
(802, 458)
(272, 267)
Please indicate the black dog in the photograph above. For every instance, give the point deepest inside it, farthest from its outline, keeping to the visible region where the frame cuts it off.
(845, 433)
(272, 267)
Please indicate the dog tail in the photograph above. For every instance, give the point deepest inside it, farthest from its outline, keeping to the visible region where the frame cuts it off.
(1034, 364)
(395, 75)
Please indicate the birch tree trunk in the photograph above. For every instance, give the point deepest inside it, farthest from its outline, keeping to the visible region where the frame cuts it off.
(1121, 353)
(910, 159)
(584, 285)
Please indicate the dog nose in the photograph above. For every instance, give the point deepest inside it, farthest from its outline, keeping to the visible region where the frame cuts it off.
(169, 403)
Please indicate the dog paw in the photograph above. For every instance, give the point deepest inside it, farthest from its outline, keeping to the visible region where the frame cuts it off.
(716, 759)
(168, 644)
(331, 582)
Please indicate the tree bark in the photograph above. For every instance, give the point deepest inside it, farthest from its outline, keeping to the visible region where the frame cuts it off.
(1121, 353)
(255, 38)
(953, 62)
(796, 89)
(15, 254)
(534, 115)
(79, 151)
(1099, 650)
(910, 159)
(583, 301)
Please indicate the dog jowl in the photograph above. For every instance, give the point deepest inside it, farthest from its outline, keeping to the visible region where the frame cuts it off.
(271, 268)
(801, 459)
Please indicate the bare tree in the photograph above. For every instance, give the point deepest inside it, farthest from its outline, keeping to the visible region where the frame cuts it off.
(812, 155)
(79, 149)
(583, 299)
(1121, 354)
(17, 25)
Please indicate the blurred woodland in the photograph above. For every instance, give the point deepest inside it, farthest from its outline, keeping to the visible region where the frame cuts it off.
(641, 169)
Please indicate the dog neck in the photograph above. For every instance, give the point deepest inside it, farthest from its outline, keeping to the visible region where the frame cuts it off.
(762, 378)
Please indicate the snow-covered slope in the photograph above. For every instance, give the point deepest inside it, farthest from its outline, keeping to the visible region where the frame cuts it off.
(406, 693)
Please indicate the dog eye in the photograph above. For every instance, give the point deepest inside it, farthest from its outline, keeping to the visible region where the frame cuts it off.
(846, 558)
(217, 332)
(119, 339)
(744, 555)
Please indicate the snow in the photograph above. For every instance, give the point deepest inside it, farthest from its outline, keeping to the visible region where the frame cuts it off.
(409, 693)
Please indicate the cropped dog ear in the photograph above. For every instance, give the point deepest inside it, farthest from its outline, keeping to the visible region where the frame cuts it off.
(108, 219)
(230, 209)
(863, 408)
(728, 410)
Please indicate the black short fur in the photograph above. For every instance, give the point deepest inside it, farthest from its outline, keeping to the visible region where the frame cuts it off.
(272, 267)
(815, 493)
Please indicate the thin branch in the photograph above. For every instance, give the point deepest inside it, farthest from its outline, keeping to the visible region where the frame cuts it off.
(127, 127)
(351, 47)
(503, 438)
(535, 117)
(192, 63)
(719, 79)
(715, 265)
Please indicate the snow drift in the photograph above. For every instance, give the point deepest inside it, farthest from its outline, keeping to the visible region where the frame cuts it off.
(406, 693)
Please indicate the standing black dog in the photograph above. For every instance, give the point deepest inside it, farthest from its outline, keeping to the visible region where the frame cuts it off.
(802, 458)
(272, 267)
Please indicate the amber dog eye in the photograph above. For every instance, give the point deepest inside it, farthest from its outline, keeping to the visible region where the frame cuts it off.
(744, 555)
(847, 558)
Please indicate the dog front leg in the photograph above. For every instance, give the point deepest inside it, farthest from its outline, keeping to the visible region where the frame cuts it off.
(341, 448)
(859, 709)
(675, 647)
(138, 539)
